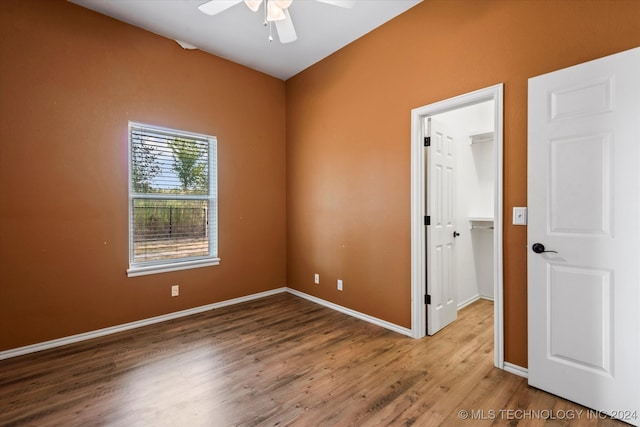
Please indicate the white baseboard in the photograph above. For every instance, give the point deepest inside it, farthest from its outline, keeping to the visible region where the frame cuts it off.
(516, 370)
(473, 299)
(132, 325)
(353, 313)
(157, 319)
(469, 301)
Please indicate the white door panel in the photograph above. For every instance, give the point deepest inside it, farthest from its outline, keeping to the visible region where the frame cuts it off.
(584, 203)
(440, 161)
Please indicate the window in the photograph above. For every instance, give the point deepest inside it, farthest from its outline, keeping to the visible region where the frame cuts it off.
(172, 200)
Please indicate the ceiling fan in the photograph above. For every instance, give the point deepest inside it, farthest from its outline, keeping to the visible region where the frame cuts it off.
(274, 11)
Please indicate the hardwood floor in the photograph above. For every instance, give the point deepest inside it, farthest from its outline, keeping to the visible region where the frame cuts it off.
(278, 361)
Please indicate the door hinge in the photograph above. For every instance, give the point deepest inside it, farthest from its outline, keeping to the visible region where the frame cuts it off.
(427, 220)
(427, 299)
(427, 141)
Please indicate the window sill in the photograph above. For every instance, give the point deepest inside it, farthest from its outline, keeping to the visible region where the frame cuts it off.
(134, 271)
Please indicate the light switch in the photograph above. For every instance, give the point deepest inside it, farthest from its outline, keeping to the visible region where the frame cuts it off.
(519, 216)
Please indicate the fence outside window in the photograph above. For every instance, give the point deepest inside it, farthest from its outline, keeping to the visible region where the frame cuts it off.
(169, 222)
(169, 229)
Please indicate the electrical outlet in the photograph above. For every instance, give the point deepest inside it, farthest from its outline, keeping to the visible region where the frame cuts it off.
(175, 290)
(316, 279)
(339, 284)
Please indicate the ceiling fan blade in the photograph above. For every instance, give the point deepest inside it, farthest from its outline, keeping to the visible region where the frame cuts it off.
(214, 7)
(254, 5)
(286, 30)
(347, 4)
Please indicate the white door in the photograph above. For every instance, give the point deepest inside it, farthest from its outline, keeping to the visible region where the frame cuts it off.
(440, 162)
(584, 203)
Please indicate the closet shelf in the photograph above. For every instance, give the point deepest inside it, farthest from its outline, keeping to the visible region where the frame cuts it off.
(481, 218)
(479, 137)
(481, 223)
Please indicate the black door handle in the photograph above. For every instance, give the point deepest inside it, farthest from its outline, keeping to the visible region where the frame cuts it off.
(539, 248)
(455, 234)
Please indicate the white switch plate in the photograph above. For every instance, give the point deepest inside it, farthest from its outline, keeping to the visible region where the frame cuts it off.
(519, 216)
(339, 284)
(175, 290)
(316, 279)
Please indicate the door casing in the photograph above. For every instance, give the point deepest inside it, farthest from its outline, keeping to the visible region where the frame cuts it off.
(418, 238)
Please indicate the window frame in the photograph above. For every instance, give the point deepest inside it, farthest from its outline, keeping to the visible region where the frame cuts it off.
(175, 264)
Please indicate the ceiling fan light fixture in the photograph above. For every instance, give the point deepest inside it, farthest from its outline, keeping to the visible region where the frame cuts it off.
(254, 5)
(274, 13)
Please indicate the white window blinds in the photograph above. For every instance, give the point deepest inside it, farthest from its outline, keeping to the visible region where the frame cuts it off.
(172, 200)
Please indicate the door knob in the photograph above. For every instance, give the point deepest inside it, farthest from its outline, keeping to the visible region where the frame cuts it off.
(539, 248)
(455, 234)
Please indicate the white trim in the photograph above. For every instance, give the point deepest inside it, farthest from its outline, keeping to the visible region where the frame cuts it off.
(516, 370)
(383, 323)
(473, 299)
(176, 264)
(469, 301)
(143, 270)
(418, 238)
(498, 284)
(418, 251)
(175, 315)
(132, 325)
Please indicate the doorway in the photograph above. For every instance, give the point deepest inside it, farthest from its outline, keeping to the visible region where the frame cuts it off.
(493, 97)
(473, 135)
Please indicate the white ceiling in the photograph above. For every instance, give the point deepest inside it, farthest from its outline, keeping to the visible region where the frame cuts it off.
(238, 34)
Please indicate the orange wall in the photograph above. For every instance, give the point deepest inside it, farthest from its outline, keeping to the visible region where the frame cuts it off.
(348, 137)
(70, 79)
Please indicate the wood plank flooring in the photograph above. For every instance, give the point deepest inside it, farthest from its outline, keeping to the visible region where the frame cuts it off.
(279, 361)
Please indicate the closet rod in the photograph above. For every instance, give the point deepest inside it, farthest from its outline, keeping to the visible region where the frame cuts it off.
(481, 227)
